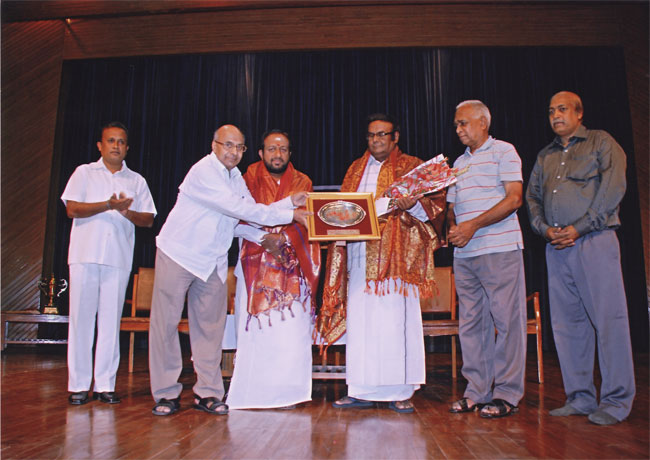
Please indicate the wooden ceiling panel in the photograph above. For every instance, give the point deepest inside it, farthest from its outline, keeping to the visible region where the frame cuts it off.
(38, 10)
(340, 28)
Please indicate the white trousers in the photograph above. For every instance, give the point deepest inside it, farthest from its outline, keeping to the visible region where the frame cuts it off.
(95, 291)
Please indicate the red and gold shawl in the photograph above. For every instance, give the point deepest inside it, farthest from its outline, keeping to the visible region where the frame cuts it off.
(270, 284)
(404, 252)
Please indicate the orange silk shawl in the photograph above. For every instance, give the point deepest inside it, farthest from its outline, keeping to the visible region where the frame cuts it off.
(270, 285)
(404, 252)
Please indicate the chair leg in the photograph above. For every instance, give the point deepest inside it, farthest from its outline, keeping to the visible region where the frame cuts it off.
(540, 362)
(453, 357)
(131, 350)
(227, 367)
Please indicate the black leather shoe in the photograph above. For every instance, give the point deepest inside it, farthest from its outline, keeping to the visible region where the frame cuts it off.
(78, 398)
(108, 397)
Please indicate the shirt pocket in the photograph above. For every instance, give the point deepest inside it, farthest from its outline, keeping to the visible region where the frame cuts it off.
(126, 188)
(582, 169)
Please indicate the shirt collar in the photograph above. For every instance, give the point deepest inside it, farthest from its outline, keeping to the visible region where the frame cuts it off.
(373, 160)
(99, 164)
(485, 146)
(234, 172)
(581, 134)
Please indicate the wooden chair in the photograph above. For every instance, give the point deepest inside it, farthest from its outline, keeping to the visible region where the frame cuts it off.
(141, 303)
(227, 355)
(534, 326)
(443, 303)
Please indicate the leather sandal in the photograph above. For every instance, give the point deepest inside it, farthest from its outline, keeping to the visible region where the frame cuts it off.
(210, 405)
(172, 404)
(464, 406)
(504, 408)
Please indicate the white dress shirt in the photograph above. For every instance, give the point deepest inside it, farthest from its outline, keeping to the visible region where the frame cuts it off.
(106, 238)
(211, 202)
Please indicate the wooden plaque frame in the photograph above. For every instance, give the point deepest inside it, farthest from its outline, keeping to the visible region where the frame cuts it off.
(319, 230)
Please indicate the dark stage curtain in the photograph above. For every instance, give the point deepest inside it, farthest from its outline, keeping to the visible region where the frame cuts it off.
(172, 105)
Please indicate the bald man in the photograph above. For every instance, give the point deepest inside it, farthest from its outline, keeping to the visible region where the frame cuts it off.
(573, 197)
(192, 261)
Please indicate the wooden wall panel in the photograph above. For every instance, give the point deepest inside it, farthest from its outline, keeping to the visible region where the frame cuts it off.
(31, 72)
(341, 27)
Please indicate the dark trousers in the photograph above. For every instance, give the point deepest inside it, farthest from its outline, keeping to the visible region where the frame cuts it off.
(588, 308)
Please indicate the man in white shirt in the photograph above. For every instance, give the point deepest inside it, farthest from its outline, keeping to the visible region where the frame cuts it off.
(106, 200)
(192, 260)
(387, 277)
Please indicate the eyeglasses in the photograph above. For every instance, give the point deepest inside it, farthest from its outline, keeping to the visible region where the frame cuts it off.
(273, 149)
(380, 135)
(241, 148)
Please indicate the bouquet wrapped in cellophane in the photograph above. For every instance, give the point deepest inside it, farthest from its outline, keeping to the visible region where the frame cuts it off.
(431, 176)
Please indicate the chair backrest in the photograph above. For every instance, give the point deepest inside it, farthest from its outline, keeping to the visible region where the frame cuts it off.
(232, 288)
(444, 299)
(142, 290)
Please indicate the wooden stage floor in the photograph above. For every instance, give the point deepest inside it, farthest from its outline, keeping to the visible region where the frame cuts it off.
(38, 422)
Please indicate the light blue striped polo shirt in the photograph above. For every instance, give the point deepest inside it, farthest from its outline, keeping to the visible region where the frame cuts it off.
(479, 189)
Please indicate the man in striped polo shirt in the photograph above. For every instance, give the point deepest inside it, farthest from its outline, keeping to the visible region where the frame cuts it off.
(488, 266)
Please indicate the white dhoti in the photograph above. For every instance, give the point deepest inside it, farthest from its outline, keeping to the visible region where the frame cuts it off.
(273, 362)
(385, 347)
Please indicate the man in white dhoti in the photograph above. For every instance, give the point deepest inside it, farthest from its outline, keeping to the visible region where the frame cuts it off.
(276, 275)
(381, 308)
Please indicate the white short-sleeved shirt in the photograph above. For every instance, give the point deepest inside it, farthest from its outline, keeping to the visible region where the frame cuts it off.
(106, 238)
(479, 189)
(211, 201)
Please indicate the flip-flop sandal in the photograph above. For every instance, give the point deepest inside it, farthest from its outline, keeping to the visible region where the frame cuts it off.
(402, 410)
(503, 406)
(464, 407)
(172, 404)
(210, 405)
(352, 403)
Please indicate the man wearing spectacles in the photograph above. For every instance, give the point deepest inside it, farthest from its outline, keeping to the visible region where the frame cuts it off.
(277, 279)
(192, 261)
(384, 345)
(488, 266)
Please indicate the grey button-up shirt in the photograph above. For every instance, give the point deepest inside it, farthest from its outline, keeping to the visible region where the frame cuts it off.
(581, 184)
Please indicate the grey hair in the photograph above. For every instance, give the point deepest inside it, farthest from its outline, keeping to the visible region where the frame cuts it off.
(477, 105)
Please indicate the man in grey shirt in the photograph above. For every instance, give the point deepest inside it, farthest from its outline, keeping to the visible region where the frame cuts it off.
(573, 197)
